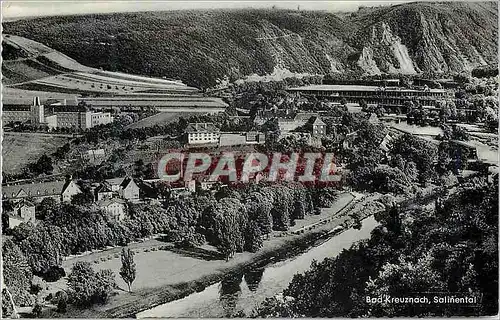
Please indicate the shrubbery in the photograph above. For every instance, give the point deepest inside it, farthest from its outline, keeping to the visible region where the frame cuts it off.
(87, 286)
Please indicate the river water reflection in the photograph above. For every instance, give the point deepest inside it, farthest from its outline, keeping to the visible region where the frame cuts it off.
(246, 290)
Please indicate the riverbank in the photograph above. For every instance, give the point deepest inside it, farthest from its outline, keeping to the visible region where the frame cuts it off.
(182, 275)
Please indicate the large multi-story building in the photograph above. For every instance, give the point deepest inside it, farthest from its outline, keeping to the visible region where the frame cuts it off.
(98, 118)
(202, 133)
(55, 115)
(387, 97)
(13, 112)
(72, 117)
(78, 117)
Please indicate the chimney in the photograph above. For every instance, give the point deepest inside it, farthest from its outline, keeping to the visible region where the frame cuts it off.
(36, 101)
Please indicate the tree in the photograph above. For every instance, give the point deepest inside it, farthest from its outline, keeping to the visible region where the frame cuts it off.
(5, 221)
(459, 133)
(139, 169)
(46, 208)
(17, 273)
(408, 106)
(83, 198)
(61, 299)
(230, 224)
(7, 304)
(128, 271)
(88, 287)
(259, 210)
(37, 310)
(276, 307)
(363, 105)
(253, 240)
(325, 197)
(423, 153)
(42, 165)
(42, 245)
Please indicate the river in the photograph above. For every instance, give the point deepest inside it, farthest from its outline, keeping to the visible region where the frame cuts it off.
(245, 291)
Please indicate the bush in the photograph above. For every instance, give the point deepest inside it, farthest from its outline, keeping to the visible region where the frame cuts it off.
(89, 287)
(54, 273)
(61, 299)
(37, 310)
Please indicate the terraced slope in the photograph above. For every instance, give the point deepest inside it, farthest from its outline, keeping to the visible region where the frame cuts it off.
(30, 65)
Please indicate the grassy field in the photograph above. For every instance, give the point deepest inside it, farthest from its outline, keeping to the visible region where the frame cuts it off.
(19, 149)
(16, 95)
(161, 118)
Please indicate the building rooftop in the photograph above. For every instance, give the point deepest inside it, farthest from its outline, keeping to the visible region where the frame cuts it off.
(106, 202)
(189, 102)
(201, 127)
(122, 182)
(341, 87)
(23, 203)
(103, 187)
(96, 152)
(316, 121)
(304, 116)
(51, 188)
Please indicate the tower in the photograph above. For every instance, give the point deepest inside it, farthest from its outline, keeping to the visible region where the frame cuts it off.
(37, 112)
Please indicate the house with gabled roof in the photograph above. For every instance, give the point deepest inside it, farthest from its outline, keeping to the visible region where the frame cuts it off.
(103, 191)
(299, 120)
(317, 126)
(24, 211)
(126, 188)
(58, 190)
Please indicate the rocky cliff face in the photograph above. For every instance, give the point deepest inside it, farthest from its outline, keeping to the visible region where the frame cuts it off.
(200, 47)
(385, 53)
(434, 37)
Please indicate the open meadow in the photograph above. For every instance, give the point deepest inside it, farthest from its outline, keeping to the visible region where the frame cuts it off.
(19, 149)
(160, 119)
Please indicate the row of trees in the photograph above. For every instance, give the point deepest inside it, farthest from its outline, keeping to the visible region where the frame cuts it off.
(233, 221)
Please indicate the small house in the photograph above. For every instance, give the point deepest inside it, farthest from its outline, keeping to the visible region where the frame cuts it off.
(114, 207)
(126, 188)
(24, 211)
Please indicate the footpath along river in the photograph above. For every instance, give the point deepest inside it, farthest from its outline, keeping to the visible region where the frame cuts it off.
(246, 290)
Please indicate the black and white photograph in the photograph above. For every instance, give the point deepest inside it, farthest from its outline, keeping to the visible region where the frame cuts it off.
(249, 159)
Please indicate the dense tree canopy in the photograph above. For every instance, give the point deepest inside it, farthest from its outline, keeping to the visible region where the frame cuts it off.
(450, 249)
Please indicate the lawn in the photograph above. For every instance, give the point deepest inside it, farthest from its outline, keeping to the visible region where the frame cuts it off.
(19, 149)
(417, 130)
(161, 118)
